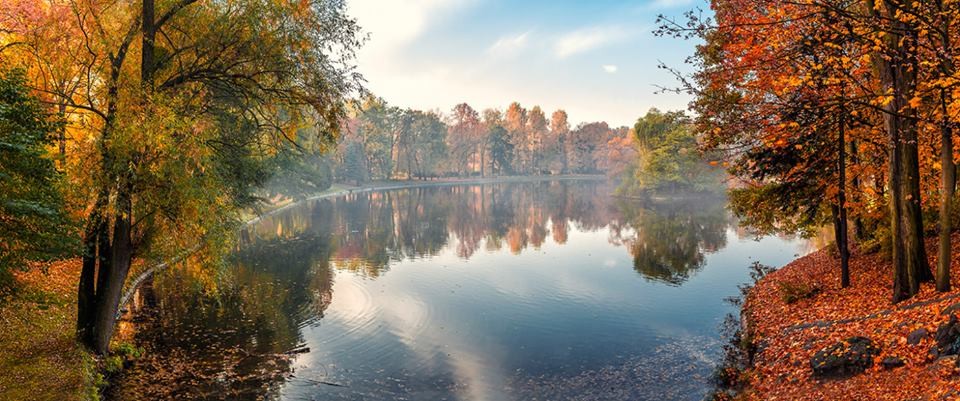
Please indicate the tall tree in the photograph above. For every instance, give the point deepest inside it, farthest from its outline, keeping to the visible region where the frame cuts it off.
(559, 129)
(515, 121)
(813, 73)
(179, 139)
(463, 138)
(33, 221)
(536, 132)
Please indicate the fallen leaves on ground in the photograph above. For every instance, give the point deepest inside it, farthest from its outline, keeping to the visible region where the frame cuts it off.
(788, 335)
(39, 358)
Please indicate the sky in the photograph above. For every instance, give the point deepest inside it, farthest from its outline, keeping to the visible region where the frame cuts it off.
(596, 59)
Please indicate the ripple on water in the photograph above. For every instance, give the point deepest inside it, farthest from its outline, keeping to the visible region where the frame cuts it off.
(678, 370)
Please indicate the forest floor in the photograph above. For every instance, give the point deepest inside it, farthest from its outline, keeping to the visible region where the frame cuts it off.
(39, 356)
(787, 335)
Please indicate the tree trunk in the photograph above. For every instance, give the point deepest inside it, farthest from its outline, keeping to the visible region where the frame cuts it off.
(947, 183)
(149, 35)
(901, 284)
(62, 135)
(916, 255)
(483, 162)
(86, 290)
(858, 229)
(113, 278)
(841, 223)
(897, 68)
(563, 154)
(891, 121)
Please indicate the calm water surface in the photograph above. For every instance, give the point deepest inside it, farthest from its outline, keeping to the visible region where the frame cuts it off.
(536, 291)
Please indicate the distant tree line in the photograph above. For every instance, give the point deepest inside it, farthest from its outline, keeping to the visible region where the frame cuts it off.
(381, 142)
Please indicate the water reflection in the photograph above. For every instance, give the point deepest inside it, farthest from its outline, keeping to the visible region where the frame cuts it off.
(511, 291)
(236, 343)
(368, 231)
(668, 239)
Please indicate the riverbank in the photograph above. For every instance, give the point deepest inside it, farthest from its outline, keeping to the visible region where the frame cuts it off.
(39, 356)
(799, 310)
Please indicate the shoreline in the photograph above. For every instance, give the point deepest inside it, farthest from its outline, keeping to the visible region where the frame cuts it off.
(340, 189)
(793, 314)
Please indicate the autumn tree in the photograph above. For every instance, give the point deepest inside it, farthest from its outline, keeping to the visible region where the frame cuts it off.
(180, 101)
(789, 93)
(463, 138)
(515, 122)
(536, 140)
(559, 130)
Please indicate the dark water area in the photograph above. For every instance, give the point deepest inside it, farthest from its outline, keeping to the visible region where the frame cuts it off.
(523, 291)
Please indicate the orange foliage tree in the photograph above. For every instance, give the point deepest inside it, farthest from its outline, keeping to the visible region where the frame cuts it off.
(849, 99)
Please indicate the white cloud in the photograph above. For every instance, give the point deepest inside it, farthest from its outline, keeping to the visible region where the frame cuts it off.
(509, 44)
(587, 39)
(393, 23)
(610, 68)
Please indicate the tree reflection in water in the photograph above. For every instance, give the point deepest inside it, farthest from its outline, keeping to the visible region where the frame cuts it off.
(238, 342)
(669, 238)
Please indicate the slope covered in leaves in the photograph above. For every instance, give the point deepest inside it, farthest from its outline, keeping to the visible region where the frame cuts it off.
(39, 357)
(787, 335)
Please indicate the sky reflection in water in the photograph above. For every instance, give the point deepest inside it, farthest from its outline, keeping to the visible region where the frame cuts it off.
(549, 290)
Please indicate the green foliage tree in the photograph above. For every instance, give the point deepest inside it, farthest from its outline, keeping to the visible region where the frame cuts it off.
(378, 126)
(353, 167)
(428, 143)
(669, 156)
(33, 221)
(159, 162)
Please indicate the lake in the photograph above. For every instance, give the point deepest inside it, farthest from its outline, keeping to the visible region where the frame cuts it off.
(548, 290)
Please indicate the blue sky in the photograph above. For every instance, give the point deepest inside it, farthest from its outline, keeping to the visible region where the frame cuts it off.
(596, 59)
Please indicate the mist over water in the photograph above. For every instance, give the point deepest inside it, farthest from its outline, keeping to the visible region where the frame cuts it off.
(523, 291)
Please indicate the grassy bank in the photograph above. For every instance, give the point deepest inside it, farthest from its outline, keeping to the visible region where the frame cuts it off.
(793, 313)
(39, 358)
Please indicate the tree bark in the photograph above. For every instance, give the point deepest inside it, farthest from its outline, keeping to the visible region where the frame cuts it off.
(113, 278)
(563, 154)
(889, 74)
(842, 208)
(62, 135)
(147, 63)
(947, 182)
(858, 228)
(897, 69)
